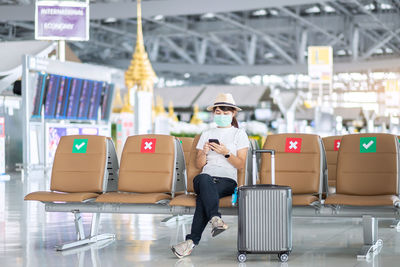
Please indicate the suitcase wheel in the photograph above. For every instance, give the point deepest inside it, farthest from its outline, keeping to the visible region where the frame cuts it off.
(283, 257)
(241, 257)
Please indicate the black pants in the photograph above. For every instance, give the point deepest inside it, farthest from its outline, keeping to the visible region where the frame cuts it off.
(209, 190)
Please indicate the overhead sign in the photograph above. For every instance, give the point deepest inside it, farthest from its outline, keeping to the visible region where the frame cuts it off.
(62, 20)
(392, 93)
(320, 64)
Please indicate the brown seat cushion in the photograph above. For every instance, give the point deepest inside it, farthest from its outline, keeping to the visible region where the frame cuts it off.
(76, 176)
(331, 157)
(189, 200)
(187, 143)
(303, 200)
(142, 172)
(133, 198)
(367, 174)
(300, 171)
(79, 172)
(340, 199)
(226, 202)
(192, 169)
(59, 196)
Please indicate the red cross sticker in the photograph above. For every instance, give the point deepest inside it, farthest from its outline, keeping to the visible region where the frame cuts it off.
(293, 145)
(148, 145)
(336, 145)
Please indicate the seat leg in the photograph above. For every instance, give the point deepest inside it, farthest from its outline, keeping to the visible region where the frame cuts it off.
(175, 218)
(169, 219)
(79, 226)
(81, 238)
(372, 245)
(180, 230)
(396, 225)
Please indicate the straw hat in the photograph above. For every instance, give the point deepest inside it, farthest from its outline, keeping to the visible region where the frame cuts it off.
(224, 100)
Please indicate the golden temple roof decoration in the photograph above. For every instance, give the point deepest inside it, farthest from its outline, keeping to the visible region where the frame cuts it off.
(140, 73)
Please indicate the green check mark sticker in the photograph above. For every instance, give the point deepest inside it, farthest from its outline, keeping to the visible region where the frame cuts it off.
(367, 144)
(79, 146)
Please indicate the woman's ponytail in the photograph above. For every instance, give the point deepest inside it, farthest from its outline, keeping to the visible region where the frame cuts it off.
(235, 122)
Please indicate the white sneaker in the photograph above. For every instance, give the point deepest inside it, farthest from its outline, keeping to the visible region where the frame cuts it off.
(218, 226)
(183, 249)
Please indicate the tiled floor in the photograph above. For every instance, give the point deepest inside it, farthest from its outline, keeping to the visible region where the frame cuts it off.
(28, 235)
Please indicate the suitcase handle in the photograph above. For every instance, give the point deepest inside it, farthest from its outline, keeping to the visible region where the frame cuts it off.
(255, 170)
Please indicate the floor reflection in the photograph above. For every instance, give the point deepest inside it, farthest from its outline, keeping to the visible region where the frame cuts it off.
(28, 236)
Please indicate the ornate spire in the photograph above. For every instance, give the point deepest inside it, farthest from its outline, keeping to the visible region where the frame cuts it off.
(140, 72)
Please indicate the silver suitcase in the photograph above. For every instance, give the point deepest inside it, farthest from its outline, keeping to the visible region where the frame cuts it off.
(265, 218)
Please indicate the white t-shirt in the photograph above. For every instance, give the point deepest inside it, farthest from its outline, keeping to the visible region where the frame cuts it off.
(234, 139)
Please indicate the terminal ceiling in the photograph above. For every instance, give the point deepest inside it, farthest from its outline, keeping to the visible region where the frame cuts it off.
(212, 41)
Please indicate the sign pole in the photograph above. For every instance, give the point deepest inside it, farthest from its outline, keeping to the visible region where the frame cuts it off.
(61, 50)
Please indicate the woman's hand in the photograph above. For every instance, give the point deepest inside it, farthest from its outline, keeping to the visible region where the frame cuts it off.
(220, 149)
(206, 148)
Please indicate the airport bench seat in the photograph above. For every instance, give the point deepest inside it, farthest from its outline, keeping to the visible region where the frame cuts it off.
(367, 171)
(299, 163)
(132, 198)
(79, 170)
(187, 143)
(44, 196)
(84, 166)
(367, 177)
(332, 145)
(147, 170)
(304, 200)
(351, 200)
(189, 200)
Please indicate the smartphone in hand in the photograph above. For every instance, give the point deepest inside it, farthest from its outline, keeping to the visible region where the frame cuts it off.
(213, 141)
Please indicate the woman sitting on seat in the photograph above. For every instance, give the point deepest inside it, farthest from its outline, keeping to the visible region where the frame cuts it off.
(221, 152)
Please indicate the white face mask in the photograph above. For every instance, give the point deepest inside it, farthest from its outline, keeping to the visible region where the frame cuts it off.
(223, 120)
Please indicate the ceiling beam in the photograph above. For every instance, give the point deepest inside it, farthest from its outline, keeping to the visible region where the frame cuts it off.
(309, 24)
(355, 42)
(181, 52)
(252, 49)
(210, 37)
(301, 58)
(202, 51)
(383, 64)
(155, 49)
(123, 10)
(380, 43)
(264, 36)
(373, 36)
(227, 49)
(374, 17)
